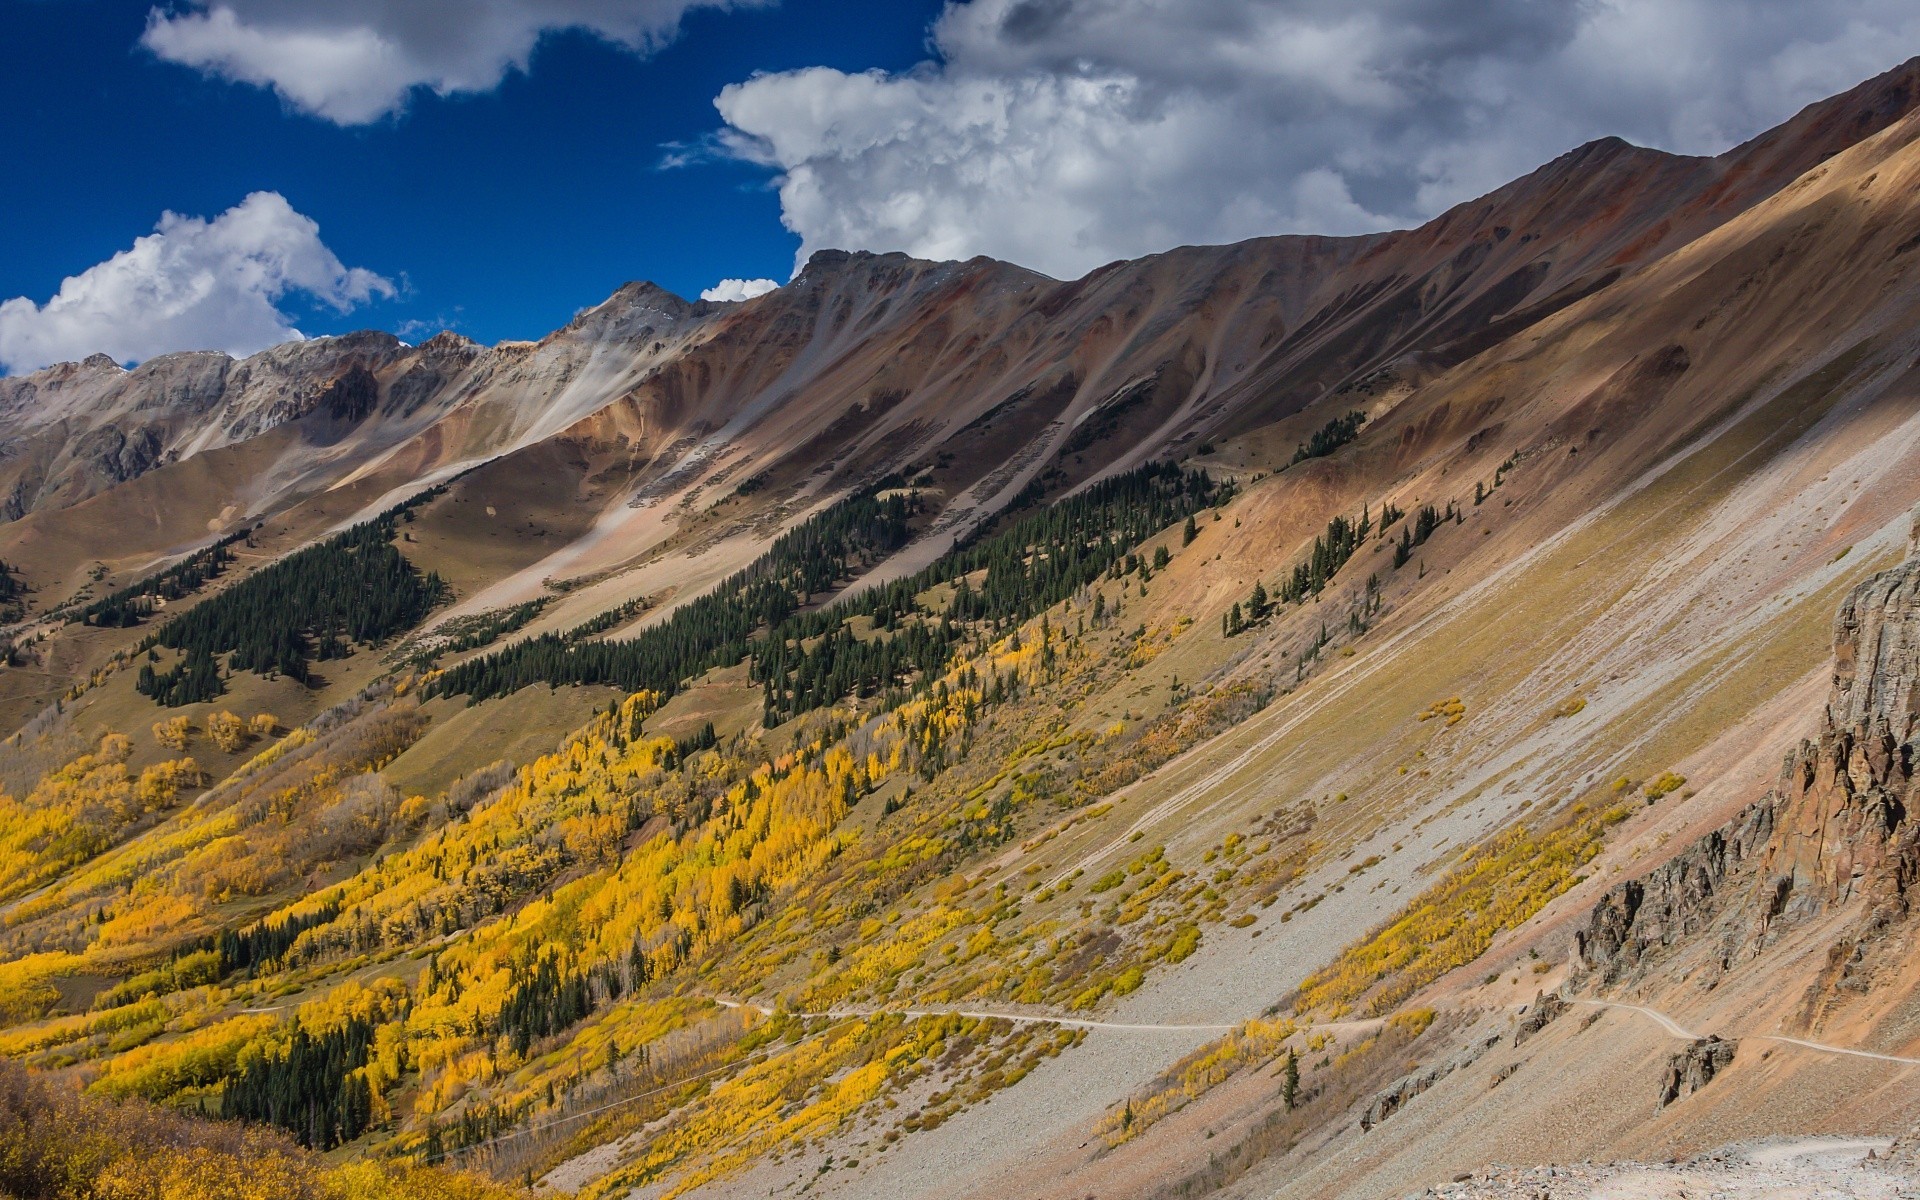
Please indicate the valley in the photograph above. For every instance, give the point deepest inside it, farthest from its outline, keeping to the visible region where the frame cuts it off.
(1313, 717)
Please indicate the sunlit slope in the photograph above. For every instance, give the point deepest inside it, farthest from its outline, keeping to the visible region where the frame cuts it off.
(953, 886)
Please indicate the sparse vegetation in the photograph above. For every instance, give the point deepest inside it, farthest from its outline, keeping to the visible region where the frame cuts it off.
(1425, 522)
(1664, 786)
(1330, 437)
(132, 605)
(1492, 888)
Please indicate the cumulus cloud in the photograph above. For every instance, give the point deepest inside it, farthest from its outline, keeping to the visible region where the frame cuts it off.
(356, 61)
(731, 290)
(191, 284)
(1062, 134)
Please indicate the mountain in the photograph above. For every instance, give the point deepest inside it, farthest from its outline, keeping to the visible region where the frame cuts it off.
(1303, 717)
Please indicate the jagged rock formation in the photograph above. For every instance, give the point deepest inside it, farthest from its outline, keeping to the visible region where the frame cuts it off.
(1547, 1007)
(660, 445)
(1404, 1089)
(1396, 1096)
(1847, 794)
(1676, 900)
(1836, 829)
(1695, 1067)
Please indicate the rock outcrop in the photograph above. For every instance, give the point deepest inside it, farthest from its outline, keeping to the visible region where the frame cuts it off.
(1836, 830)
(1546, 1007)
(1846, 796)
(1678, 899)
(1402, 1090)
(1695, 1067)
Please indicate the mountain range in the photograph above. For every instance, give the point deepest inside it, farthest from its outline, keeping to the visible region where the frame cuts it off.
(1310, 717)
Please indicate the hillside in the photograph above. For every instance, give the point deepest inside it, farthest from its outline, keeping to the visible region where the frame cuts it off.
(1298, 718)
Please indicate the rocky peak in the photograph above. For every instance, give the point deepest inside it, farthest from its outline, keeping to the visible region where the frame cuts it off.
(635, 310)
(447, 342)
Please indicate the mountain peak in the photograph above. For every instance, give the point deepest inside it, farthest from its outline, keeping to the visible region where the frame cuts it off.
(645, 291)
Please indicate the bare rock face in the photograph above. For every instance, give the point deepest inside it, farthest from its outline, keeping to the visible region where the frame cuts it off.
(350, 396)
(1678, 899)
(1695, 1067)
(1403, 1090)
(1400, 1092)
(1846, 795)
(1546, 1007)
(1836, 830)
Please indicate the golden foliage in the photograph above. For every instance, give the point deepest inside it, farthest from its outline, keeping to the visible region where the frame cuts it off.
(1450, 710)
(55, 1145)
(79, 809)
(1665, 785)
(227, 731)
(1493, 887)
(173, 733)
(1194, 1075)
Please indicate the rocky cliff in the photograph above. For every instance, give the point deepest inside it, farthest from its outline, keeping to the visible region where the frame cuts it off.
(1836, 831)
(1846, 795)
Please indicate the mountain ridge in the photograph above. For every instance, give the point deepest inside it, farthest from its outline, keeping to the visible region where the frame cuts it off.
(1399, 744)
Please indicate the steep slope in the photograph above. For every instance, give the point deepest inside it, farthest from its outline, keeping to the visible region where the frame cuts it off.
(998, 373)
(1034, 874)
(1665, 630)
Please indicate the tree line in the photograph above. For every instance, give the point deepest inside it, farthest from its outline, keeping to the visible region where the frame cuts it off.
(809, 559)
(132, 604)
(315, 604)
(1031, 563)
(1330, 437)
(806, 659)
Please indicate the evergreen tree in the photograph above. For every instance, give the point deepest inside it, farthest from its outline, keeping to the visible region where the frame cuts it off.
(355, 587)
(1330, 437)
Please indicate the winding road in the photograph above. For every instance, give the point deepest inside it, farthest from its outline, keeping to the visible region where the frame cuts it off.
(1666, 1023)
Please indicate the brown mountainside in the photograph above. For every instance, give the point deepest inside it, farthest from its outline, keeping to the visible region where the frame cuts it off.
(1416, 806)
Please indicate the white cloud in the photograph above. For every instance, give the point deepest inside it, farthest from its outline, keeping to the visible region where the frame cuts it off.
(192, 284)
(356, 61)
(1062, 134)
(731, 290)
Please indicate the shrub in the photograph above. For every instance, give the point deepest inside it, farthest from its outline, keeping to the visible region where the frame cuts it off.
(1666, 784)
(228, 732)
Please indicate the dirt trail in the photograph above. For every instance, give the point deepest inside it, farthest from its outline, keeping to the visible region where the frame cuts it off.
(1677, 1030)
(1808, 1168)
(1341, 1028)
(841, 1014)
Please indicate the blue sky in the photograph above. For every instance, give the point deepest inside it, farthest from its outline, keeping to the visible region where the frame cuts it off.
(228, 174)
(499, 214)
